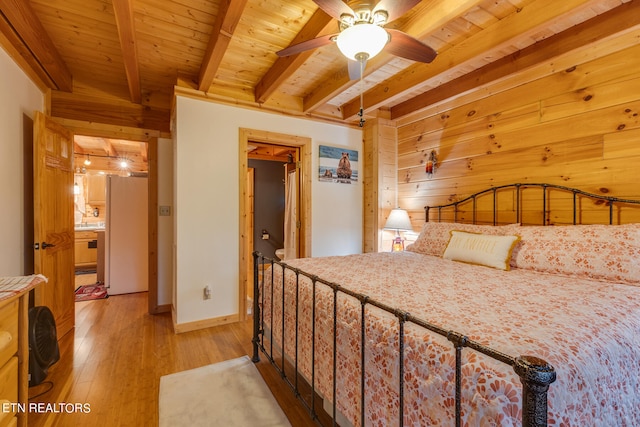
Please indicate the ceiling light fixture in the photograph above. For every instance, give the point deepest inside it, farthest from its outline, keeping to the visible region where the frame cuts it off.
(362, 41)
(362, 35)
(114, 161)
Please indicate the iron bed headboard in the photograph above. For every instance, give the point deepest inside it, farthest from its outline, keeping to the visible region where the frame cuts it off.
(518, 187)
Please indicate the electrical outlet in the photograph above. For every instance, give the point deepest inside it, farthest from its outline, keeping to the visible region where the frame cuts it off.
(207, 292)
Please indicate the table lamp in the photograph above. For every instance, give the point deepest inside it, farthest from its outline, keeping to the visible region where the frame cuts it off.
(398, 220)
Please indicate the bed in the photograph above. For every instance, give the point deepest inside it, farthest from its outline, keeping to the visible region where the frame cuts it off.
(485, 322)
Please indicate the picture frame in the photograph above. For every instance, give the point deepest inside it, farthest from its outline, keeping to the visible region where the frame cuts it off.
(337, 164)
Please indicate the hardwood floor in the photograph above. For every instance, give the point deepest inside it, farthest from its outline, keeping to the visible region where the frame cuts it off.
(114, 358)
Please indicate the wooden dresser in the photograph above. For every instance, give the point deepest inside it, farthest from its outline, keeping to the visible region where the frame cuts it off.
(14, 348)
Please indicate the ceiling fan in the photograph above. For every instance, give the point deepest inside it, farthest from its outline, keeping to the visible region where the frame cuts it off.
(362, 34)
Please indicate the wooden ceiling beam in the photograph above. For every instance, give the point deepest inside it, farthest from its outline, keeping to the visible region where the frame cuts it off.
(284, 67)
(583, 36)
(528, 20)
(439, 13)
(229, 14)
(104, 130)
(108, 111)
(23, 29)
(123, 11)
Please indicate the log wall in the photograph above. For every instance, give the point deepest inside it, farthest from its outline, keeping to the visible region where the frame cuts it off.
(578, 127)
(379, 183)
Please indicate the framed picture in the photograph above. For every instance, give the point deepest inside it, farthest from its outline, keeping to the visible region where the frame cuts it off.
(338, 165)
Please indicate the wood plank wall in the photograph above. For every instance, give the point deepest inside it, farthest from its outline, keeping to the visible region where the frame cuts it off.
(578, 127)
(379, 182)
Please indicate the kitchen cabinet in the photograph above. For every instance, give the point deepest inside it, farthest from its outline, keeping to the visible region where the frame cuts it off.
(96, 189)
(86, 248)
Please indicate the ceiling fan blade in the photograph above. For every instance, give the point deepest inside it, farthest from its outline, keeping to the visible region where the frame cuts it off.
(307, 45)
(403, 45)
(395, 8)
(335, 8)
(356, 69)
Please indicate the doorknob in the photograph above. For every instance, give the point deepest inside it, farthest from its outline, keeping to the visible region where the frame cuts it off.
(46, 245)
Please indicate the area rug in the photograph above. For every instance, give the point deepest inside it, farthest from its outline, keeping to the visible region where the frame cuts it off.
(91, 292)
(229, 393)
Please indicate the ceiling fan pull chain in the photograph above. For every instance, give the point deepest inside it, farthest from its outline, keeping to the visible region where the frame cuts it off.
(361, 112)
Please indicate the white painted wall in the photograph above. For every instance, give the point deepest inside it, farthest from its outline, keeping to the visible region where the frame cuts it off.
(19, 97)
(207, 201)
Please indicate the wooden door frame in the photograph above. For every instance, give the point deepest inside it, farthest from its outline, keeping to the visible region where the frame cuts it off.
(152, 168)
(249, 226)
(305, 147)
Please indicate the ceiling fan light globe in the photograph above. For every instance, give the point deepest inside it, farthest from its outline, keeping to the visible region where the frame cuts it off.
(367, 39)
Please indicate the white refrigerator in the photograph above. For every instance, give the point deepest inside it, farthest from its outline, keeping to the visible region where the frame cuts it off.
(126, 234)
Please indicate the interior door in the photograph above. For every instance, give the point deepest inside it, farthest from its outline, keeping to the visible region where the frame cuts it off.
(53, 220)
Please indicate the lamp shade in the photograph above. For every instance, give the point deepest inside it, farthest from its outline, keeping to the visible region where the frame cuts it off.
(398, 220)
(362, 39)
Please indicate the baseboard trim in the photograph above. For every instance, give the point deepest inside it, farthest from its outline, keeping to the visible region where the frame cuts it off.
(179, 328)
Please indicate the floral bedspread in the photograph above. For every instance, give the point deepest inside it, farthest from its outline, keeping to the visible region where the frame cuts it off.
(587, 329)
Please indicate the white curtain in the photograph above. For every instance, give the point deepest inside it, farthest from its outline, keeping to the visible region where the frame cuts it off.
(290, 217)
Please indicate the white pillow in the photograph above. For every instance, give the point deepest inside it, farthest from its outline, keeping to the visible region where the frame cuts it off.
(480, 249)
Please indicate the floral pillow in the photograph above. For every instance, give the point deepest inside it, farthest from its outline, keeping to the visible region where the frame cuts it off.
(606, 252)
(434, 237)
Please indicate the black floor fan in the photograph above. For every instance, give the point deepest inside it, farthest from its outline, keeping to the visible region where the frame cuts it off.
(43, 344)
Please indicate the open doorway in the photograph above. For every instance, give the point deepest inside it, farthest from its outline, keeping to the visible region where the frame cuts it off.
(273, 192)
(98, 162)
(299, 149)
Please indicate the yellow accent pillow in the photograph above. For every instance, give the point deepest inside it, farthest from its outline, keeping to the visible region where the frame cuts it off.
(481, 249)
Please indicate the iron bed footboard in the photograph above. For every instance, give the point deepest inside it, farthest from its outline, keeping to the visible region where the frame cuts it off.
(535, 374)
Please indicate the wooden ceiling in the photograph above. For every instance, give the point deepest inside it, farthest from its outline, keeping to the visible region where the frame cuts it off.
(109, 155)
(121, 62)
(271, 152)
